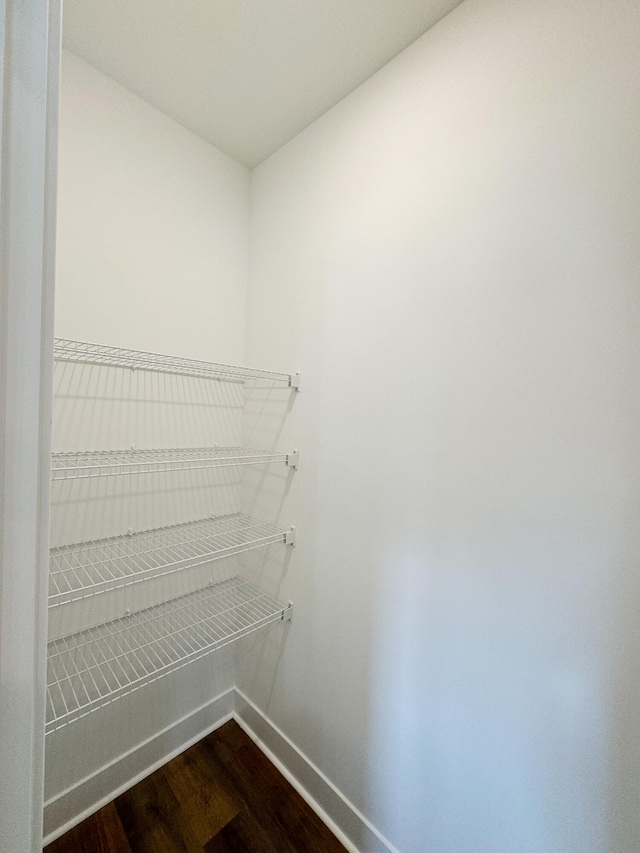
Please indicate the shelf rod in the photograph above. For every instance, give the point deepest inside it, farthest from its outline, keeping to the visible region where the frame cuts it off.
(90, 568)
(92, 668)
(83, 352)
(104, 463)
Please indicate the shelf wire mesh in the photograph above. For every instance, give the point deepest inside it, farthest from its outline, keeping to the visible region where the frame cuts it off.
(73, 465)
(100, 354)
(94, 667)
(89, 568)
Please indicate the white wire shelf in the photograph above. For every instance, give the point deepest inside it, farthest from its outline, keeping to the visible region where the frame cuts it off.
(93, 668)
(81, 464)
(88, 353)
(89, 568)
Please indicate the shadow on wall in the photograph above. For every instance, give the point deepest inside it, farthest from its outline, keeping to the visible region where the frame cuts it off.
(504, 701)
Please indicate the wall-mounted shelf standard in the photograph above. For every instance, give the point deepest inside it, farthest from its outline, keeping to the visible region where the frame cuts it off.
(103, 463)
(89, 568)
(92, 668)
(88, 353)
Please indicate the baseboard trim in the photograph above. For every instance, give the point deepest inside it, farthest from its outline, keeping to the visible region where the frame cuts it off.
(72, 806)
(347, 823)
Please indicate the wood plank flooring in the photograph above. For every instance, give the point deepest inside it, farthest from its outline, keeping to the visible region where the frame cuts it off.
(221, 796)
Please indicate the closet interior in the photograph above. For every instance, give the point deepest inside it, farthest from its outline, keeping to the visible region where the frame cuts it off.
(444, 251)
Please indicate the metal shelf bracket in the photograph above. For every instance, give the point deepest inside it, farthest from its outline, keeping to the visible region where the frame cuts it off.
(287, 613)
(292, 459)
(294, 380)
(290, 536)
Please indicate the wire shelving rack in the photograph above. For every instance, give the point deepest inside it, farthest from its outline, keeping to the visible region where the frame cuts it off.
(75, 464)
(100, 354)
(92, 668)
(89, 568)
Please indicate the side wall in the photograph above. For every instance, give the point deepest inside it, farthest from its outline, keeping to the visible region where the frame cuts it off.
(450, 256)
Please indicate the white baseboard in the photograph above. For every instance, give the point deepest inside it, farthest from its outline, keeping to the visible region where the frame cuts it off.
(348, 824)
(75, 804)
(72, 806)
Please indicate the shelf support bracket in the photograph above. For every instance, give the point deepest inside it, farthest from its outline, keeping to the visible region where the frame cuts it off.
(294, 381)
(287, 613)
(292, 459)
(290, 536)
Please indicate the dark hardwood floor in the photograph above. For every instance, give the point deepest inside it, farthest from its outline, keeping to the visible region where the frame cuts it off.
(221, 796)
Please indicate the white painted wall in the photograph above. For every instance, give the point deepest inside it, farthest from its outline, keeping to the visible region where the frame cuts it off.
(152, 254)
(152, 227)
(451, 258)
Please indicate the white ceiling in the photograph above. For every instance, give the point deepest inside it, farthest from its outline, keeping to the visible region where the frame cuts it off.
(246, 75)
